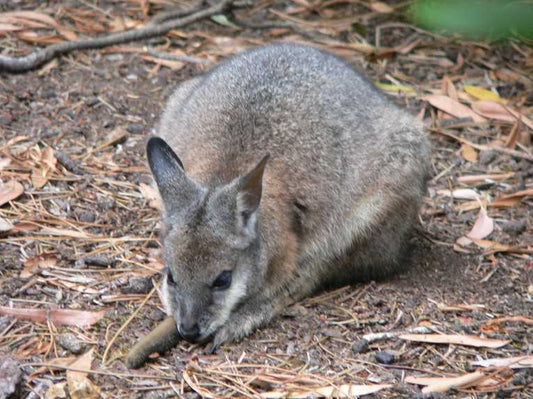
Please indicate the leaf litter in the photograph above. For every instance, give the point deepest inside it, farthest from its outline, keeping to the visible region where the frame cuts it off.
(75, 185)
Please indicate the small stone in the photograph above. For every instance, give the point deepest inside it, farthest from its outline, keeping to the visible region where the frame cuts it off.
(71, 343)
(331, 332)
(486, 157)
(91, 100)
(384, 357)
(514, 226)
(10, 376)
(114, 57)
(135, 128)
(138, 285)
(87, 217)
(290, 348)
(361, 346)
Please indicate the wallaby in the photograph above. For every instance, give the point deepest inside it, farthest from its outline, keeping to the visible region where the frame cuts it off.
(282, 171)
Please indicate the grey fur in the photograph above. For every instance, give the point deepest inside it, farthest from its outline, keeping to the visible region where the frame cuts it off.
(340, 193)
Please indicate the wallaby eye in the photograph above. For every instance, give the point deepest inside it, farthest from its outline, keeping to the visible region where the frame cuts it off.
(223, 281)
(170, 278)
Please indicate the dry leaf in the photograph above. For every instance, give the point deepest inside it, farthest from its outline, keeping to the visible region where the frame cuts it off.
(512, 199)
(493, 246)
(468, 153)
(56, 391)
(485, 178)
(9, 191)
(427, 381)
(77, 287)
(444, 384)
(5, 225)
(519, 362)
(482, 94)
(494, 110)
(448, 87)
(381, 7)
(460, 193)
(394, 88)
(456, 339)
(4, 163)
(63, 317)
(118, 135)
(452, 107)
(483, 226)
(65, 232)
(340, 391)
(58, 361)
(172, 64)
(36, 263)
(79, 385)
(151, 195)
(34, 19)
(459, 308)
(45, 166)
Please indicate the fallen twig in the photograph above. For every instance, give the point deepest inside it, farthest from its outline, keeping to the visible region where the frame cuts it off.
(37, 58)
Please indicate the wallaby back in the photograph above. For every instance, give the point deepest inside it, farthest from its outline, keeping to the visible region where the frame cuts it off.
(336, 200)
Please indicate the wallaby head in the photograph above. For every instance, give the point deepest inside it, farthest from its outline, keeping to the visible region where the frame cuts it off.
(211, 244)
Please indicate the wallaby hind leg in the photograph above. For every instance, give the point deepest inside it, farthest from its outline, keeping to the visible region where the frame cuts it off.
(378, 256)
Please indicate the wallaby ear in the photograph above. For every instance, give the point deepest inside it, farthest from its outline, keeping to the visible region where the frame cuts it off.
(177, 190)
(249, 197)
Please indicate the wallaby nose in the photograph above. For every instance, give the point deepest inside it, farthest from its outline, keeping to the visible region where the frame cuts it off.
(189, 332)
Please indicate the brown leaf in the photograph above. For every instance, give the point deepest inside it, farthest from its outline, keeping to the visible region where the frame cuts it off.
(152, 195)
(512, 199)
(9, 191)
(36, 263)
(33, 38)
(449, 88)
(443, 384)
(46, 164)
(56, 391)
(79, 385)
(63, 317)
(118, 135)
(172, 64)
(453, 107)
(27, 17)
(58, 361)
(381, 7)
(475, 179)
(494, 110)
(468, 153)
(456, 339)
(339, 391)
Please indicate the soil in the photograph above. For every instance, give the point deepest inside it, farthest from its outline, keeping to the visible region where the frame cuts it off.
(87, 100)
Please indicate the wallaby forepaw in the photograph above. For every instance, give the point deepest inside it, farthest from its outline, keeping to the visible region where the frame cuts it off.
(210, 348)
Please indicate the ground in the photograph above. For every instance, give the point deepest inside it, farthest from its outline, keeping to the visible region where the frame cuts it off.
(79, 228)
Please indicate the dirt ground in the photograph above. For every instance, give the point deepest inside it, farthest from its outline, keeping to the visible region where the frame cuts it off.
(83, 234)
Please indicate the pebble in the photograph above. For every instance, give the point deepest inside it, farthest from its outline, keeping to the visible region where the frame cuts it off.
(10, 376)
(135, 128)
(384, 357)
(514, 226)
(486, 157)
(71, 343)
(361, 346)
(138, 285)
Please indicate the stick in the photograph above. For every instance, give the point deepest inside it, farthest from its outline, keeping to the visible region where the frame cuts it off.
(39, 57)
